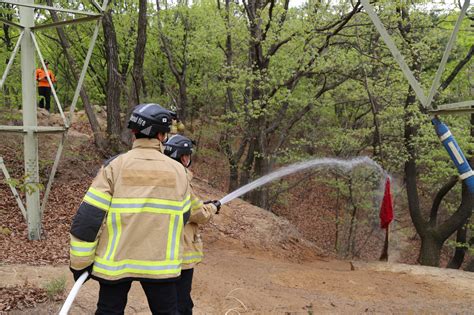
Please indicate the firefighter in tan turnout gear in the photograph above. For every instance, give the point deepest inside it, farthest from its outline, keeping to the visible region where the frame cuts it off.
(129, 225)
(180, 148)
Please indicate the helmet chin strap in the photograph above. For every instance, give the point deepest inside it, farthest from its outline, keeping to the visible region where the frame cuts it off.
(182, 161)
(164, 140)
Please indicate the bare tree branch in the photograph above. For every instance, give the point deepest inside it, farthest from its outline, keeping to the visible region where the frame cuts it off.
(439, 197)
(457, 69)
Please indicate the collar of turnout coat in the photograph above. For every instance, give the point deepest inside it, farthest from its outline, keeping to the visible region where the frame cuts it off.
(148, 143)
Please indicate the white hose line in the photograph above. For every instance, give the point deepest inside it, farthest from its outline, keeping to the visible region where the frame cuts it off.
(72, 295)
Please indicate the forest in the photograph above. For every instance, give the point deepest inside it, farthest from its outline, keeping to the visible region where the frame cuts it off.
(266, 83)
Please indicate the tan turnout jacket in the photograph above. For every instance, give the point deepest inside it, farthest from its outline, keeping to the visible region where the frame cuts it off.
(200, 214)
(130, 222)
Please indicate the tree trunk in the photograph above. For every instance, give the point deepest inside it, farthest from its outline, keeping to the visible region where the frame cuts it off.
(411, 172)
(377, 137)
(137, 70)
(179, 73)
(183, 97)
(114, 80)
(248, 164)
(472, 129)
(259, 197)
(460, 251)
(353, 224)
(232, 158)
(430, 249)
(7, 40)
(337, 223)
(99, 138)
(470, 264)
(261, 168)
(233, 177)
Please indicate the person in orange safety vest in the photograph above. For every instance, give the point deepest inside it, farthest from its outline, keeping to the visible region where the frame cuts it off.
(44, 88)
(179, 148)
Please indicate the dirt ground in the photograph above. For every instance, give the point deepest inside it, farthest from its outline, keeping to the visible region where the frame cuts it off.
(257, 263)
(234, 280)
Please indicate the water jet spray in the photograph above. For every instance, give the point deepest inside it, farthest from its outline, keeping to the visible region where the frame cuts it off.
(342, 165)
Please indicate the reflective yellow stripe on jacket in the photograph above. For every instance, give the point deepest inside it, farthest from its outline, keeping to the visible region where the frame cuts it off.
(137, 205)
(82, 249)
(192, 257)
(196, 203)
(98, 199)
(115, 268)
(174, 235)
(172, 263)
(114, 227)
(82, 253)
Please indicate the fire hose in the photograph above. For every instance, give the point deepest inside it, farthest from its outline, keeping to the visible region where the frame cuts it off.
(72, 295)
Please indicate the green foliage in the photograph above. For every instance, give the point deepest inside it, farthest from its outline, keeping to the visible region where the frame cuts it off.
(55, 288)
(24, 185)
(11, 116)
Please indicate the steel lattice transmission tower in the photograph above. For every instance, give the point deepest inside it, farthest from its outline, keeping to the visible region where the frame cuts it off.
(29, 48)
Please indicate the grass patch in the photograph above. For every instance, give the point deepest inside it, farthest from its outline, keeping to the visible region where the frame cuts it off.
(55, 288)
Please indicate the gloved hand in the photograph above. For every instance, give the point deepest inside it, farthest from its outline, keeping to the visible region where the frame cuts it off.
(216, 203)
(78, 273)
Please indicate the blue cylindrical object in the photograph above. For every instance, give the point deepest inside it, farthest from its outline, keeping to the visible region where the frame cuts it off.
(450, 144)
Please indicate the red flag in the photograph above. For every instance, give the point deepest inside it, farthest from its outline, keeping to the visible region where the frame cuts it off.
(386, 210)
